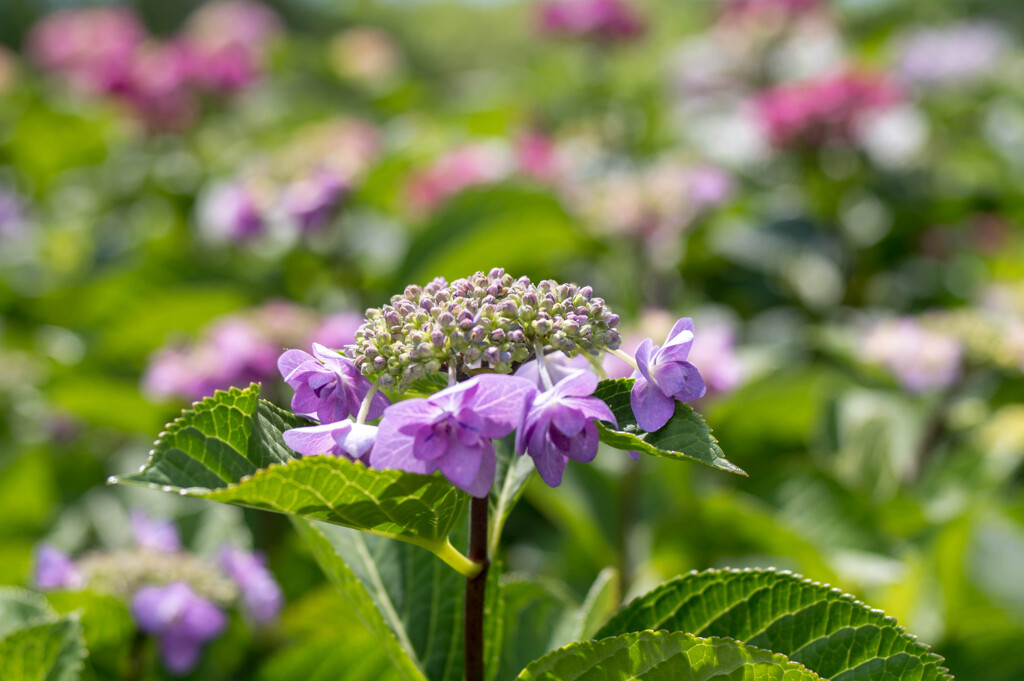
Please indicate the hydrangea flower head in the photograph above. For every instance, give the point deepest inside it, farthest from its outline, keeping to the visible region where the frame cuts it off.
(342, 438)
(451, 431)
(327, 384)
(559, 425)
(663, 376)
(261, 594)
(486, 321)
(921, 359)
(181, 620)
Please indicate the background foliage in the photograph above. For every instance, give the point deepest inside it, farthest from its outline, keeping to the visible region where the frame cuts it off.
(896, 476)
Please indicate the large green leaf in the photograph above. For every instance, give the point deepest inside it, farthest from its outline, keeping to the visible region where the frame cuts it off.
(662, 655)
(822, 628)
(539, 619)
(106, 622)
(229, 448)
(20, 607)
(408, 599)
(48, 650)
(685, 436)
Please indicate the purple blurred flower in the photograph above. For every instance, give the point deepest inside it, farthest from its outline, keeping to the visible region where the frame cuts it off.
(159, 86)
(709, 186)
(181, 620)
(338, 330)
(12, 214)
(261, 594)
(559, 425)
(602, 20)
(955, 54)
(234, 351)
(155, 534)
(229, 213)
(54, 569)
(451, 431)
(310, 202)
(327, 384)
(342, 438)
(664, 376)
(919, 358)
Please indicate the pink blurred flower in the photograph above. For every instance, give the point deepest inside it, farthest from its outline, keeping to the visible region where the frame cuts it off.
(459, 169)
(537, 157)
(159, 85)
(823, 109)
(91, 48)
(919, 358)
(230, 39)
(600, 20)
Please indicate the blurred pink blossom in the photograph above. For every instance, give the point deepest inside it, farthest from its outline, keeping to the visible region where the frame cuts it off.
(823, 109)
(466, 166)
(921, 359)
(600, 20)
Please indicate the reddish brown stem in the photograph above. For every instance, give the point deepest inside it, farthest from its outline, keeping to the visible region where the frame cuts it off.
(476, 590)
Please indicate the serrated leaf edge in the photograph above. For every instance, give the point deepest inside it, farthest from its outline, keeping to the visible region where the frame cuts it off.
(929, 656)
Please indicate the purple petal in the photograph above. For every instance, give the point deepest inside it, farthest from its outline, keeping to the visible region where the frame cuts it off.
(180, 654)
(313, 440)
(54, 569)
(378, 403)
(643, 358)
(576, 384)
(681, 333)
(680, 380)
(593, 408)
(652, 408)
(201, 620)
(157, 608)
(155, 534)
(291, 360)
(584, 444)
(568, 420)
(356, 440)
(430, 443)
(501, 400)
(550, 463)
(461, 463)
(481, 485)
(395, 445)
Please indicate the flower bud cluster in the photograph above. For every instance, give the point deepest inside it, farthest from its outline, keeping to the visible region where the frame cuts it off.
(487, 321)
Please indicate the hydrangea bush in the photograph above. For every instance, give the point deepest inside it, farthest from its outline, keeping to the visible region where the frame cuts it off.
(448, 399)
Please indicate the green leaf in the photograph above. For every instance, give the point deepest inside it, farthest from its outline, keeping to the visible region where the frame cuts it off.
(229, 448)
(661, 655)
(50, 650)
(528, 228)
(19, 607)
(106, 622)
(410, 601)
(825, 630)
(685, 436)
(603, 599)
(539, 616)
(511, 476)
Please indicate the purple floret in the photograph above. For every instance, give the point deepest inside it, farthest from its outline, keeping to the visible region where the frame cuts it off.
(261, 594)
(182, 621)
(452, 430)
(663, 376)
(54, 569)
(343, 438)
(327, 384)
(559, 426)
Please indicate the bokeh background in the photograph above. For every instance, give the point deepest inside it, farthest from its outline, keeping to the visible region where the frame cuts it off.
(830, 189)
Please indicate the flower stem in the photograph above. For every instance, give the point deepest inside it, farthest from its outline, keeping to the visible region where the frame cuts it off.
(364, 408)
(453, 373)
(476, 590)
(598, 367)
(542, 368)
(625, 358)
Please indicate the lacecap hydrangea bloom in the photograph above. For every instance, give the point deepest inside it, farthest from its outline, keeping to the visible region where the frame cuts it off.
(475, 332)
(180, 598)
